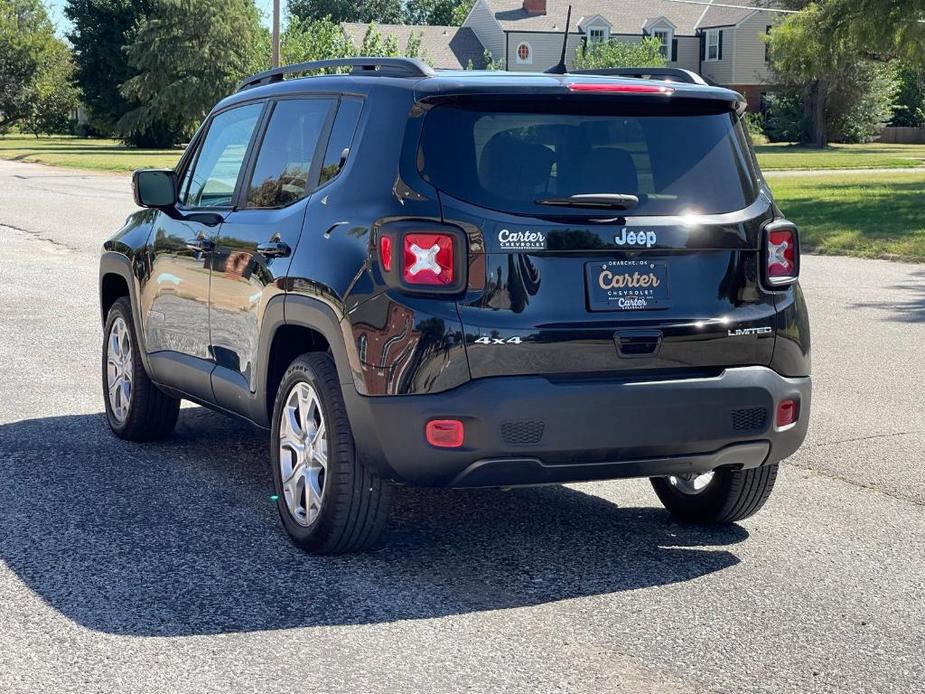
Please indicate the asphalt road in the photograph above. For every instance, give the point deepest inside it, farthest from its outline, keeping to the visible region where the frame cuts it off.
(161, 567)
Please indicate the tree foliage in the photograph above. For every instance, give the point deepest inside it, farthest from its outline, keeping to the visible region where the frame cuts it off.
(910, 99)
(101, 30)
(845, 93)
(54, 97)
(460, 12)
(382, 11)
(188, 54)
(884, 28)
(35, 69)
(321, 39)
(436, 12)
(616, 53)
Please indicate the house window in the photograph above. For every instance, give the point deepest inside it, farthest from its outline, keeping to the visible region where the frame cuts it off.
(713, 45)
(597, 35)
(664, 38)
(767, 46)
(524, 54)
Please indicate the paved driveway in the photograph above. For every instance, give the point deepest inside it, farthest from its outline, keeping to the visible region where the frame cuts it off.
(160, 568)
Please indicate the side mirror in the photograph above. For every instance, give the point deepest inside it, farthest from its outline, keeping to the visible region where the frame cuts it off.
(155, 188)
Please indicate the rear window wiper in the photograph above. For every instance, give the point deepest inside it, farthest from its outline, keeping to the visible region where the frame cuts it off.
(611, 201)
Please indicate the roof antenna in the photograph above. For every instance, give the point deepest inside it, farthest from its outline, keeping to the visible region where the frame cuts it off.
(559, 68)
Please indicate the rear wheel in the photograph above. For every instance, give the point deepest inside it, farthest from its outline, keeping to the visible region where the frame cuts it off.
(329, 502)
(136, 409)
(721, 496)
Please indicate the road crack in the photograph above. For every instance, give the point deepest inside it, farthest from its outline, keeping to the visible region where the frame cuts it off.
(864, 438)
(40, 237)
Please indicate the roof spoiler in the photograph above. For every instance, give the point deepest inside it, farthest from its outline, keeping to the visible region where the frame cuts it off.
(375, 67)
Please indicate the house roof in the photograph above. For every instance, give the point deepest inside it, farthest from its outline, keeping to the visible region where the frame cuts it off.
(727, 16)
(625, 16)
(444, 47)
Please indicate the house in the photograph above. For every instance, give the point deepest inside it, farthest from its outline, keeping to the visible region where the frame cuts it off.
(444, 47)
(722, 43)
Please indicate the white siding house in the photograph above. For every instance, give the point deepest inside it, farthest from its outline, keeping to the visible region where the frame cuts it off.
(722, 43)
(482, 21)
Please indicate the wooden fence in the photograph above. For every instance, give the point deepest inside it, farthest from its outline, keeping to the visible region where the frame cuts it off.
(903, 136)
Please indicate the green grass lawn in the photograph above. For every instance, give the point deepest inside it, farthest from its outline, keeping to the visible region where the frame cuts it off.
(854, 214)
(82, 153)
(871, 156)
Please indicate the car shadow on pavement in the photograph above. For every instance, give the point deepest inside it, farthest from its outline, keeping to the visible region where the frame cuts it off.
(181, 538)
(909, 310)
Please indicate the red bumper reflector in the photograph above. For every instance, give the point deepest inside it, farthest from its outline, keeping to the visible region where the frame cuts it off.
(444, 433)
(385, 252)
(788, 411)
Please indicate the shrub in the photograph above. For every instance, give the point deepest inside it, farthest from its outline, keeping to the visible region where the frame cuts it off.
(754, 123)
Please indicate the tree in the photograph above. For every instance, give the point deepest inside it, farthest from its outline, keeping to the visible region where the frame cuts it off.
(54, 97)
(910, 100)
(313, 39)
(188, 54)
(101, 31)
(34, 69)
(306, 40)
(616, 53)
(845, 93)
(885, 28)
(435, 12)
(382, 11)
(460, 12)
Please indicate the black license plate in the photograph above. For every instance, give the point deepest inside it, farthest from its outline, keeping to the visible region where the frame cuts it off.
(627, 285)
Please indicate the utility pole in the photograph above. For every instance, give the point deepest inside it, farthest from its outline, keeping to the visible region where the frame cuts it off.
(275, 33)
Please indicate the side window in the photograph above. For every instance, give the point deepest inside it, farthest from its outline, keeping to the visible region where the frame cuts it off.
(281, 174)
(210, 181)
(345, 124)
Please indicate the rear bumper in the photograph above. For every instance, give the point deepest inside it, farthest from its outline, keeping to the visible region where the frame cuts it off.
(534, 430)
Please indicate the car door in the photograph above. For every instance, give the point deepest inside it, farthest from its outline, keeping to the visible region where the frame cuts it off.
(258, 238)
(175, 298)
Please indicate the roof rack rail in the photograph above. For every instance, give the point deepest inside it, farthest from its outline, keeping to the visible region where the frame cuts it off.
(668, 74)
(383, 67)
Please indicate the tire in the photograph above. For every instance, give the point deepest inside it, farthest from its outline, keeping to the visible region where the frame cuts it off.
(138, 411)
(328, 506)
(731, 495)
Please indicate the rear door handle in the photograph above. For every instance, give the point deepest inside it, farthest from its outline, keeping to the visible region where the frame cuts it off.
(274, 249)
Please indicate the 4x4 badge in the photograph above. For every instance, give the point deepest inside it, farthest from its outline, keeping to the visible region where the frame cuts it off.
(516, 340)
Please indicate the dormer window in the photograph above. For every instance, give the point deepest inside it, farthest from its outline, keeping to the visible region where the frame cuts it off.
(597, 34)
(663, 30)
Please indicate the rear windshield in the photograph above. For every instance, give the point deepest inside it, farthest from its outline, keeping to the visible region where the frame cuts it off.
(506, 157)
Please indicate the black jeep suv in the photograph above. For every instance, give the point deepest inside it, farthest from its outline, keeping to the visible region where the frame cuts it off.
(466, 279)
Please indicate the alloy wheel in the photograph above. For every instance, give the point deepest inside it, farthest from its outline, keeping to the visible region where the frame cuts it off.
(303, 453)
(691, 484)
(119, 369)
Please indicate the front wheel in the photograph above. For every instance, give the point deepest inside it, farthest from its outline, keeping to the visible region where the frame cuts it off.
(135, 408)
(721, 496)
(329, 502)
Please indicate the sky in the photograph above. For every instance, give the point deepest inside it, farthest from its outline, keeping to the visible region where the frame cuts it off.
(56, 11)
